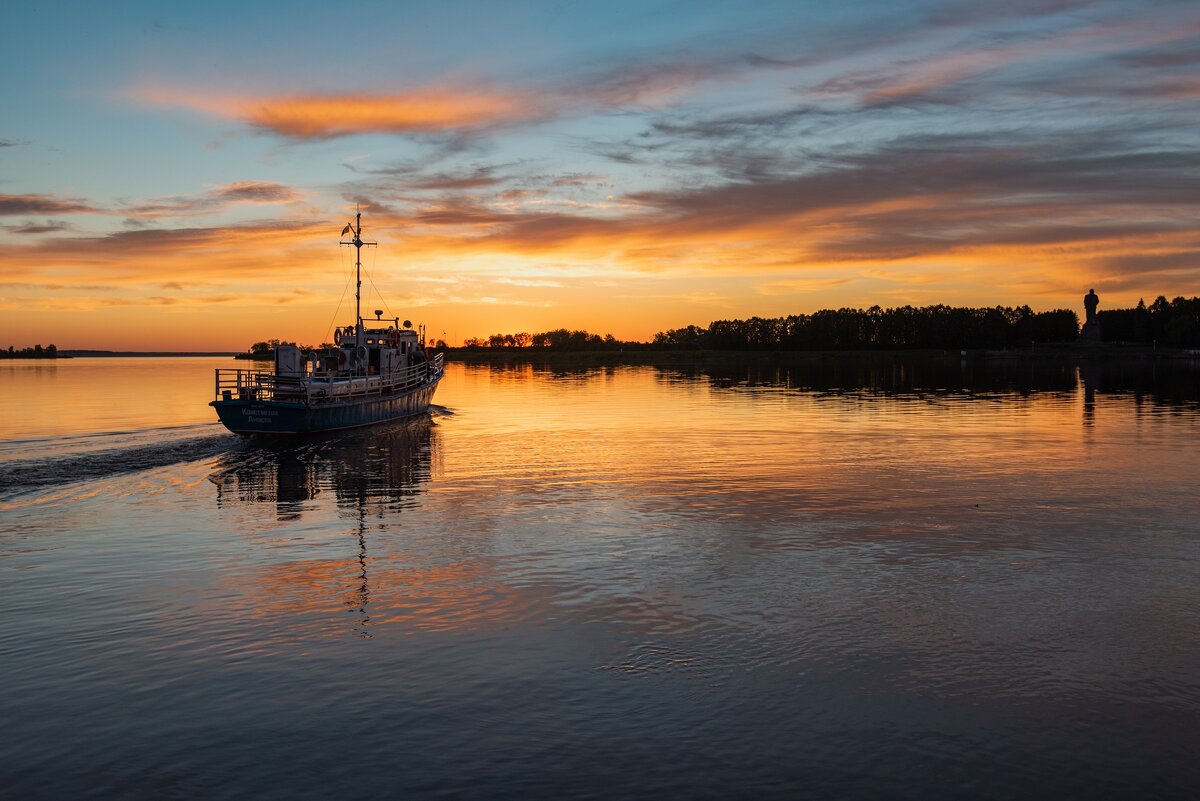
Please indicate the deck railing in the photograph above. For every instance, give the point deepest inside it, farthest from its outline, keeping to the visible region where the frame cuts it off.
(236, 384)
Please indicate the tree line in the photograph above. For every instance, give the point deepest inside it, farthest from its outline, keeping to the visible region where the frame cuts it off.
(265, 350)
(36, 352)
(1174, 324)
(876, 328)
(558, 339)
(830, 329)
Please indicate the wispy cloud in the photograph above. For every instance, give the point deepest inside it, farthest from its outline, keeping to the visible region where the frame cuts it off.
(173, 257)
(414, 176)
(1063, 54)
(255, 192)
(47, 227)
(216, 199)
(11, 205)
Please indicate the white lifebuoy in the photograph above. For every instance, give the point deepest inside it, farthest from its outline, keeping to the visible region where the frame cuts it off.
(337, 336)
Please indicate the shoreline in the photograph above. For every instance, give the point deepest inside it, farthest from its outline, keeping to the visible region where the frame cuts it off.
(113, 354)
(708, 357)
(1113, 352)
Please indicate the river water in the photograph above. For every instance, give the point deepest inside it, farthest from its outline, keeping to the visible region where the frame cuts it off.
(864, 580)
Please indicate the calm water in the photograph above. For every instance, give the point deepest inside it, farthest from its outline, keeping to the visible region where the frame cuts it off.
(915, 581)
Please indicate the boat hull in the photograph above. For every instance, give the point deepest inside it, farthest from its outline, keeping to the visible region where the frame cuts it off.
(287, 417)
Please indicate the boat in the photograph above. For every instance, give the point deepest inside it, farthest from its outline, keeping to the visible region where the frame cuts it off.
(377, 371)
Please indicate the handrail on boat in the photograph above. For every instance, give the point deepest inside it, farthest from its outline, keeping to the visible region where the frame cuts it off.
(320, 387)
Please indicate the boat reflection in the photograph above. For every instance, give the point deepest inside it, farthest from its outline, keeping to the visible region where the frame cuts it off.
(383, 466)
(372, 477)
(376, 471)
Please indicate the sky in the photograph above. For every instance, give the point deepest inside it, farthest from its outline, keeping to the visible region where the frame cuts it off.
(175, 177)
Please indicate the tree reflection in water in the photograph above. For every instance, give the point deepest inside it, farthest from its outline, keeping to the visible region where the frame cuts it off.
(1166, 385)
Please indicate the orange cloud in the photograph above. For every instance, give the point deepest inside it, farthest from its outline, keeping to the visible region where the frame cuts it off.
(446, 108)
(315, 116)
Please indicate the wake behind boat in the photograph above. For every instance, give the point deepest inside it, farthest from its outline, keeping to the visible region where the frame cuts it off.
(372, 375)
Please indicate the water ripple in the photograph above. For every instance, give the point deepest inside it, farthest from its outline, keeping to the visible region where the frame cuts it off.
(103, 462)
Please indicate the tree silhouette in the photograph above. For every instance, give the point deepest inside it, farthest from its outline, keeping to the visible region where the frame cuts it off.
(1175, 323)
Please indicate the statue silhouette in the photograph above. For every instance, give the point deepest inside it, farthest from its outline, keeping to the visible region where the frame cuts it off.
(1090, 301)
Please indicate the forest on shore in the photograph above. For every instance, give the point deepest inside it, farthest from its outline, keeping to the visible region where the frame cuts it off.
(1174, 324)
(36, 352)
(1169, 323)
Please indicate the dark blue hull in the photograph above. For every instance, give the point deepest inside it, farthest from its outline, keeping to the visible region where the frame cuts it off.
(287, 417)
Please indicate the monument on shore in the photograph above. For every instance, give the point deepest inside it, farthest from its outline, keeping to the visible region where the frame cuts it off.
(1090, 334)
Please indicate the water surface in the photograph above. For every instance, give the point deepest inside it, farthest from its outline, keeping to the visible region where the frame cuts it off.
(901, 580)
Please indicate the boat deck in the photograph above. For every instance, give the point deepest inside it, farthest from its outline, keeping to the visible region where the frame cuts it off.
(321, 388)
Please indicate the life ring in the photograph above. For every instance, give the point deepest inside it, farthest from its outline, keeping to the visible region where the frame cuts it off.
(393, 337)
(337, 336)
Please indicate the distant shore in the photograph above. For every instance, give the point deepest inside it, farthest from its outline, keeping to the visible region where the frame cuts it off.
(1116, 352)
(42, 358)
(108, 354)
(1048, 352)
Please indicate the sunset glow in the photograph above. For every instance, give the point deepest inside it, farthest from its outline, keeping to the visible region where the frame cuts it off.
(173, 181)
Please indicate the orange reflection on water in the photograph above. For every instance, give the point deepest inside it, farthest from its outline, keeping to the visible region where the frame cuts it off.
(372, 479)
(540, 471)
(385, 589)
(103, 395)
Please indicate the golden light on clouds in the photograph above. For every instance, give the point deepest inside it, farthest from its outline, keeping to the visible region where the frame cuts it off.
(225, 286)
(317, 116)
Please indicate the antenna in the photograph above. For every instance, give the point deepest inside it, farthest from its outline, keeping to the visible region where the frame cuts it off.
(358, 243)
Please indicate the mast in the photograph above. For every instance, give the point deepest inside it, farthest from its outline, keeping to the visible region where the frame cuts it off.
(358, 243)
